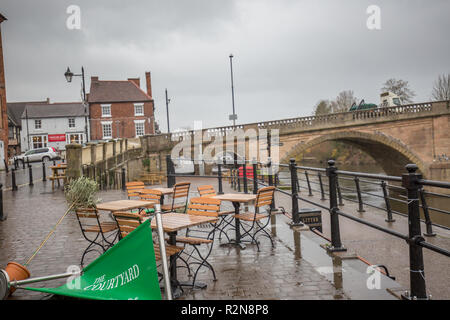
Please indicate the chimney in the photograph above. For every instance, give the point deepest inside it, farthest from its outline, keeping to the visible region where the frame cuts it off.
(94, 79)
(136, 81)
(149, 83)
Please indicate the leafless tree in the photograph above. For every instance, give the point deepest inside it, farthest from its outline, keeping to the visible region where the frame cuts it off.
(323, 107)
(400, 88)
(343, 101)
(441, 88)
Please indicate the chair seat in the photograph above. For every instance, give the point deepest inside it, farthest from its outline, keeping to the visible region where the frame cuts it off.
(170, 250)
(106, 227)
(250, 216)
(193, 240)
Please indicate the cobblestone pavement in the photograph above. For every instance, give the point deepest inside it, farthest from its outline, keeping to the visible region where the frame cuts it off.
(276, 273)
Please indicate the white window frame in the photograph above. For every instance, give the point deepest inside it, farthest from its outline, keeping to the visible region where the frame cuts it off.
(80, 137)
(106, 114)
(106, 123)
(138, 106)
(136, 123)
(36, 124)
(71, 122)
(44, 141)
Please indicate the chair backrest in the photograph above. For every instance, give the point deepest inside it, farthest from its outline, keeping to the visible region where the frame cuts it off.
(181, 189)
(127, 222)
(204, 206)
(134, 187)
(206, 191)
(264, 197)
(88, 218)
(150, 195)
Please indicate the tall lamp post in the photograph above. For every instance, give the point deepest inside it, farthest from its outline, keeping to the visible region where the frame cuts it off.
(234, 115)
(69, 75)
(167, 111)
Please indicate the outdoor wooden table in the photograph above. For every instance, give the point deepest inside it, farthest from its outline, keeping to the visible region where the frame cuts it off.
(56, 175)
(236, 199)
(172, 222)
(123, 205)
(164, 191)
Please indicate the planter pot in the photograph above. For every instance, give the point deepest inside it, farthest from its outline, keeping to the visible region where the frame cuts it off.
(17, 272)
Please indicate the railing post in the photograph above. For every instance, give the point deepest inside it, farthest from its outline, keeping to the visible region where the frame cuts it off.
(339, 192)
(44, 178)
(270, 181)
(336, 244)
(170, 172)
(295, 214)
(358, 192)
(2, 218)
(255, 176)
(322, 192)
(123, 179)
(426, 213)
(416, 266)
(238, 176)
(219, 175)
(30, 174)
(386, 201)
(244, 172)
(13, 180)
(308, 183)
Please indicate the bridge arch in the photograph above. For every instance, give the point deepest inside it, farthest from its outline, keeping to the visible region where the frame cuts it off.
(390, 153)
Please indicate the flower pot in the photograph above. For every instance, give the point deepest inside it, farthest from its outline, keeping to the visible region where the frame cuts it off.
(17, 272)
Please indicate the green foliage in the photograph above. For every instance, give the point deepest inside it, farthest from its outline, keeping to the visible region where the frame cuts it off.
(81, 193)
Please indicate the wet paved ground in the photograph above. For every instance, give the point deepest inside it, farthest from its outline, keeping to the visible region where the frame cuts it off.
(279, 273)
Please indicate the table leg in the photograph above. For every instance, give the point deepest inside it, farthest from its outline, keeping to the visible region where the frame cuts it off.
(237, 225)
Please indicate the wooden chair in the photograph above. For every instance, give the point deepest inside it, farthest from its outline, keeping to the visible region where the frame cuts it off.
(208, 191)
(133, 188)
(150, 195)
(128, 221)
(180, 192)
(201, 206)
(94, 231)
(253, 222)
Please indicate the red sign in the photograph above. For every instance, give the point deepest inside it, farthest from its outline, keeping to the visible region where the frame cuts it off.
(56, 137)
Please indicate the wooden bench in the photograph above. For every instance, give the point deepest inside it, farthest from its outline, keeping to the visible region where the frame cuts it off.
(153, 177)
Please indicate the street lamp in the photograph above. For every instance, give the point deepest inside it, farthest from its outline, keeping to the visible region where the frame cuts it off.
(69, 75)
(167, 111)
(234, 115)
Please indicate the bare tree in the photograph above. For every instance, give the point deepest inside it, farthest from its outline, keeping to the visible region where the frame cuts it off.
(400, 88)
(343, 102)
(441, 88)
(323, 107)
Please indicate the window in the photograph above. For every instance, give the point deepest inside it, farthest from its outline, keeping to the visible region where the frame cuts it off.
(37, 124)
(107, 130)
(71, 123)
(106, 110)
(39, 141)
(138, 109)
(75, 138)
(140, 127)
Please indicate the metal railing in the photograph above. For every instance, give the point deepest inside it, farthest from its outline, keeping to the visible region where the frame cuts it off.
(411, 183)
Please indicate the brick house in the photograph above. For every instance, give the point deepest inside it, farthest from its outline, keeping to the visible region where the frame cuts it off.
(120, 109)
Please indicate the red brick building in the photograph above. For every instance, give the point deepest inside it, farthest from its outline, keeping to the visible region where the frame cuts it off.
(120, 109)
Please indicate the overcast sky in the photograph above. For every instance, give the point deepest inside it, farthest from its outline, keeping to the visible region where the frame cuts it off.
(287, 54)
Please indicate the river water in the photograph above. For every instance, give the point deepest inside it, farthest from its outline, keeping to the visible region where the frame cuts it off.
(371, 191)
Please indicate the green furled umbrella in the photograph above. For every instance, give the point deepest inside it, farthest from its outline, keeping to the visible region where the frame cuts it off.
(127, 271)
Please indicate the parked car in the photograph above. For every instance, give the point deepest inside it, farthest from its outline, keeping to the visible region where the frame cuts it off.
(39, 154)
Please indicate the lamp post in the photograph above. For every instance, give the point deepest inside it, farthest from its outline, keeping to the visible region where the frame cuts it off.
(167, 111)
(69, 75)
(234, 115)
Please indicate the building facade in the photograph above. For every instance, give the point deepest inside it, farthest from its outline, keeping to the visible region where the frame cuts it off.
(52, 125)
(3, 109)
(120, 109)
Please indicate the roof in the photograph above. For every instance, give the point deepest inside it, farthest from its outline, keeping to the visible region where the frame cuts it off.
(106, 91)
(2, 18)
(15, 110)
(53, 110)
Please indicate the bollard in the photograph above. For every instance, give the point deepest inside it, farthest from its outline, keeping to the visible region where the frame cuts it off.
(123, 180)
(358, 192)
(426, 213)
(44, 178)
(322, 192)
(238, 176)
(23, 163)
(2, 218)
(270, 181)
(244, 174)
(30, 174)
(336, 244)
(416, 267)
(6, 165)
(386, 201)
(255, 176)
(219, 175)
(13, 180)
(170, 172)
(295, 215)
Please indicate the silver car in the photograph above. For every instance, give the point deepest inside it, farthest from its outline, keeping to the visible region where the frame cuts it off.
(39, 154)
